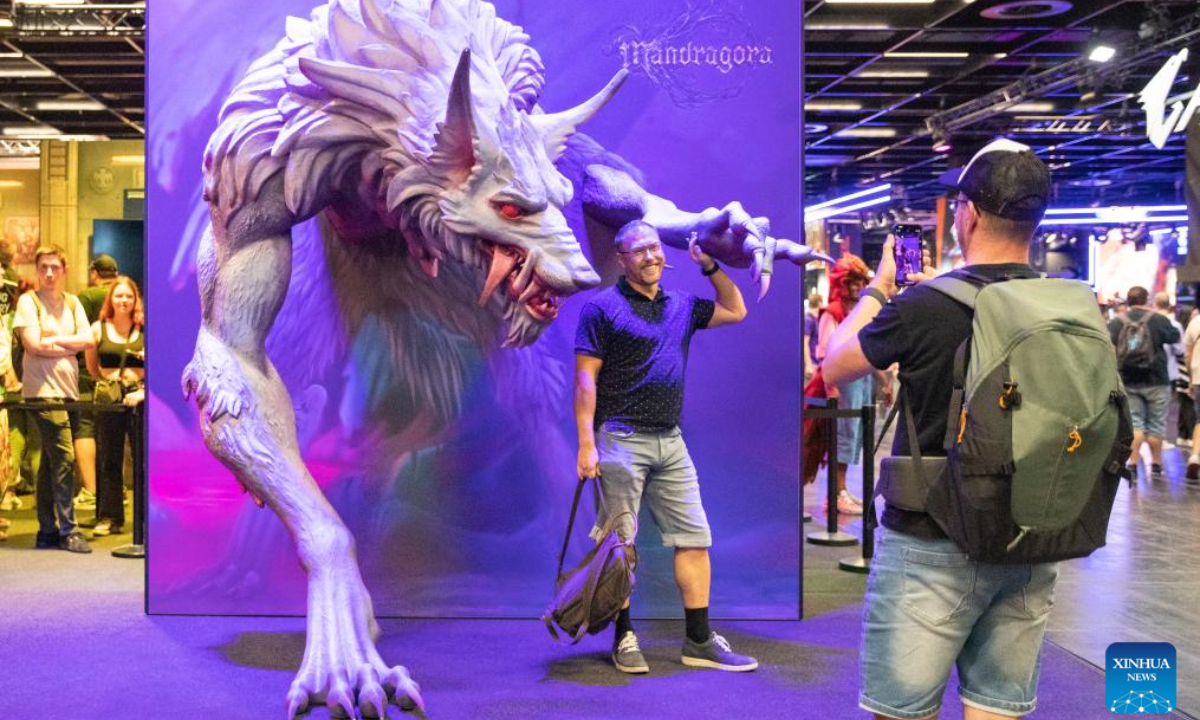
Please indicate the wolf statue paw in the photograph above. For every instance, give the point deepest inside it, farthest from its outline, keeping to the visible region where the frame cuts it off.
(216, 379)
(341, 667)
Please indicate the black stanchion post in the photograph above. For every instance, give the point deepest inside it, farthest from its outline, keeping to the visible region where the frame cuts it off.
(831, 535)
(805, 516)
(138, 548)
(831, 474)
(863, 564)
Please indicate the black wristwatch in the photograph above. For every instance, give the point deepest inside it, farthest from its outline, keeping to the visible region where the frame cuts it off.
(712, 270)
(871, 292)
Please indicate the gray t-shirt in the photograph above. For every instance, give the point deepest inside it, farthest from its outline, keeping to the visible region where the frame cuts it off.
(50, 377)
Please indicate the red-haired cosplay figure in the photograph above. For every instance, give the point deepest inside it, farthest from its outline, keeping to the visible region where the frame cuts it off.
(846, 279)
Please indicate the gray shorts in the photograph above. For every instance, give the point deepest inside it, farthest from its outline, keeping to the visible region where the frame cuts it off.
(654, 465)
(1149, 407)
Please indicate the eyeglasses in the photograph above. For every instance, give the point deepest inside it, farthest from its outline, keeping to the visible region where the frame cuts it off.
(648, 251)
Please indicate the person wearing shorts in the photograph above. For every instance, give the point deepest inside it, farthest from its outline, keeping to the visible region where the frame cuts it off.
(1149, 389)
(929, 608)
(631, 351)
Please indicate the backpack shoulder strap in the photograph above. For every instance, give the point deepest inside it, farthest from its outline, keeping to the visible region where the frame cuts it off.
(957, 289)
(73, 303)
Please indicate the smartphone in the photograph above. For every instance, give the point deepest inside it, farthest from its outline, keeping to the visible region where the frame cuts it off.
(907, 251)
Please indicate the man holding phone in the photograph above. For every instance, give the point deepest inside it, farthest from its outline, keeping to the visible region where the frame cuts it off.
(929, 607)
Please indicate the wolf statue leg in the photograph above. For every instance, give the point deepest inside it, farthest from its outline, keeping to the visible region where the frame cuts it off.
(248, 422)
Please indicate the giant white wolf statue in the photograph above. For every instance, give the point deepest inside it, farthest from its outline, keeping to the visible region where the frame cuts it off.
(412, 129)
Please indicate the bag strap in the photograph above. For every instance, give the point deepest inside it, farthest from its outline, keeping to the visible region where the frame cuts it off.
(913, 442)
(955, 288)
(124, 351)
(600, 506)
(570, 525)
(67, 298)
(1143, 320)
(957, 393)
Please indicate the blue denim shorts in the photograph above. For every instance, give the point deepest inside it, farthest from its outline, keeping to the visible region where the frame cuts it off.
(928, 607)
(854, 395)
(656, 466)
(1149, 407)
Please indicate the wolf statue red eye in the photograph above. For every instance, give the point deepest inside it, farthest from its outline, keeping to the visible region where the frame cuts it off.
(510, 211)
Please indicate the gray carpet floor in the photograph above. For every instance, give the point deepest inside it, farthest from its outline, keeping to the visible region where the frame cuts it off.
(79, 646)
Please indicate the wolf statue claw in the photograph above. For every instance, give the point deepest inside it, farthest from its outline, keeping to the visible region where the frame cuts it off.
(411, 130)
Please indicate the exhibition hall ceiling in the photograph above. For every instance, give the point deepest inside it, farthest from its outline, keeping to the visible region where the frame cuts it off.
(887, 82)
(75, 70)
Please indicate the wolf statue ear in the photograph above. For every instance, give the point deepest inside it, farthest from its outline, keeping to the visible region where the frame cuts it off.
(454, 148)
(556, 128)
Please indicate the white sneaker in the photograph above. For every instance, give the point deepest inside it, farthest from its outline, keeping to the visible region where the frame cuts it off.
(11, 502)
(847, 504)
(1193, 468)
(85, 499)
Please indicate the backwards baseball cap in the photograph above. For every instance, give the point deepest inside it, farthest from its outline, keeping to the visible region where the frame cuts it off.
(104, 264)
(1005, 178)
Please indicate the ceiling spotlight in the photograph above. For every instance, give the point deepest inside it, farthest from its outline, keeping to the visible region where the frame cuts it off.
(942, 144)
(1102, 53)
(833, 105)
(1032, 107)
(28, 131)
(893, 73)
(25, 72)
(919, 55)
(868, 132)
(69, 104)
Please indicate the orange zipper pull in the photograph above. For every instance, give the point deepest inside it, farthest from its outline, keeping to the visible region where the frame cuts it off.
(1076, 440)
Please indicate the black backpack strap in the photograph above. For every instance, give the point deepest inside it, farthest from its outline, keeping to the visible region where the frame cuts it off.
(570, 525)
(599, 497)
(913, 442)
(887, 423)
(962, 356)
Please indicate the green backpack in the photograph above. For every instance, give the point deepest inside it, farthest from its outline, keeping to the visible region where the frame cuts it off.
(1039, 427)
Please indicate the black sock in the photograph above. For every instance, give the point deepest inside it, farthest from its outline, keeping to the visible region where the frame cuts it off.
(624, 624)
(697, 624)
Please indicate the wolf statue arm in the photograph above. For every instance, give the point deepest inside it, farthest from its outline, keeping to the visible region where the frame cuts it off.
(614, 196)
(247, 419)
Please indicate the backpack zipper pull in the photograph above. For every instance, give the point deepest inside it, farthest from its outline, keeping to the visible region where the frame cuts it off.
(1020, 536)
(1010, 398)
(1076, 440)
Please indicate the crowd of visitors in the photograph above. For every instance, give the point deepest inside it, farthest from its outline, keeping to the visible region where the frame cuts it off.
(69, 353)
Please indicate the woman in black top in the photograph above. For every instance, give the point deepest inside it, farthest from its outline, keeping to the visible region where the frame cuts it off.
(118, 357)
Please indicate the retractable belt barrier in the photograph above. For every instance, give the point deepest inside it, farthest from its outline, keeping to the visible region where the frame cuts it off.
(138, 548)
(827, 409)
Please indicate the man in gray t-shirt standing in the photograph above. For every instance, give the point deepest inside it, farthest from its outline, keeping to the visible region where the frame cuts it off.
(53, 328)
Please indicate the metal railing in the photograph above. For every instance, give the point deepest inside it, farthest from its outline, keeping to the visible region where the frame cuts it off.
(827, 409)
(136, 549)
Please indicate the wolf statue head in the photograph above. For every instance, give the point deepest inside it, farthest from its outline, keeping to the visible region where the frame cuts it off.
(434, 103)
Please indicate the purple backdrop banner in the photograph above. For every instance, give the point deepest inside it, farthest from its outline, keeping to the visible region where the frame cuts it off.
(466, 520)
